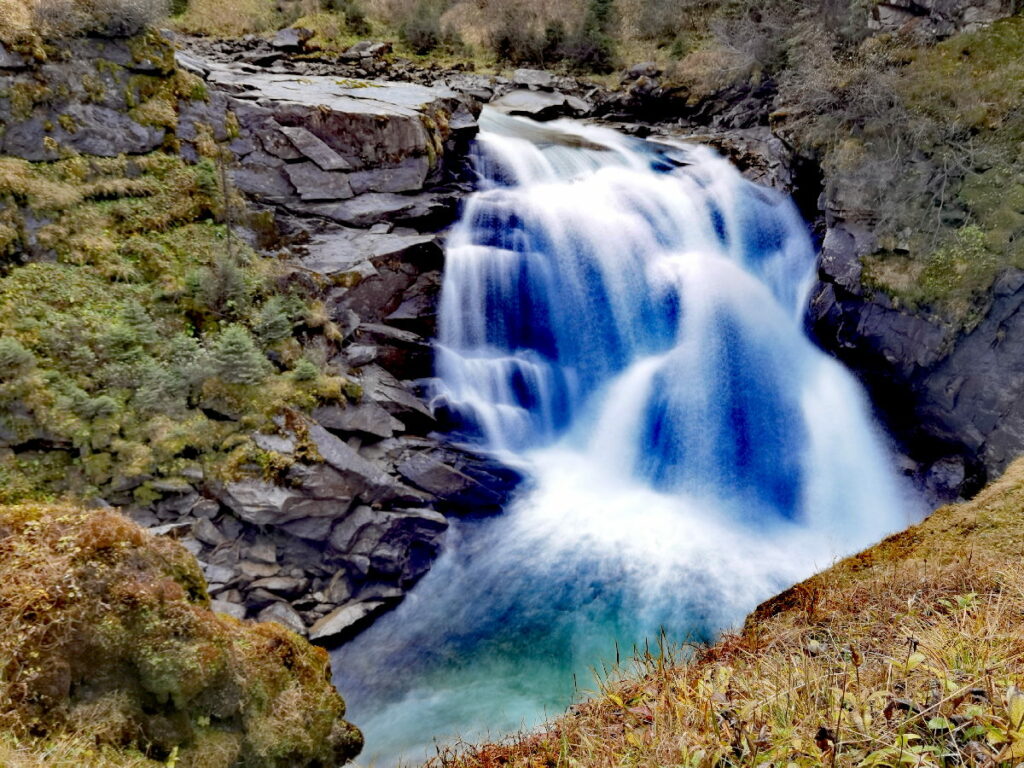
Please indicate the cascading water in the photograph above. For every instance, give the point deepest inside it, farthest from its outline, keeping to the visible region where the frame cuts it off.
(623, 321)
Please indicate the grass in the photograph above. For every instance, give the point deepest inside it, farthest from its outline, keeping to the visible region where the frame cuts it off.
(911, 653)
(116, 339)
(110, 656)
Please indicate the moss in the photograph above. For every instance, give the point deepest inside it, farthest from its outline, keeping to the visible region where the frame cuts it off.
(152, 48)
(121, 387)
(108, 634)
(26, 95)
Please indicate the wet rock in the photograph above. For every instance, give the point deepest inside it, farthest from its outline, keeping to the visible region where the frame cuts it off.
(446, 482)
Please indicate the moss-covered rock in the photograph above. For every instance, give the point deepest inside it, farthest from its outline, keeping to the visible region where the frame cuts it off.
(108, 632)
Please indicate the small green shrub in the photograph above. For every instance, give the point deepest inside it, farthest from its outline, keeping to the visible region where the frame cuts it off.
(236, 358)
(422, 30)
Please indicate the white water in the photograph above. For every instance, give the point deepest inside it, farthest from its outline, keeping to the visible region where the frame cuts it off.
(624, 322)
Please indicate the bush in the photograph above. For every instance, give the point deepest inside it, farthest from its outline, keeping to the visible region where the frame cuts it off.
(105, 17)
(15, 360)
(355, 17)
(422, 30)
(236, 358)
(589, 48)
(110, 649)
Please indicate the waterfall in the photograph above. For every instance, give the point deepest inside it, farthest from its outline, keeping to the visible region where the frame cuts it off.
(624, 321)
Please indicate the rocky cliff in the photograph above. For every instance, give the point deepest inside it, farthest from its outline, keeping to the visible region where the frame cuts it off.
(347, 183)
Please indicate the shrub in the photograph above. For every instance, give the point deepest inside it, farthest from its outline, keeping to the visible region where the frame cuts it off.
(355, 17)
(110, 655)
(422, 30)
(236, 358)
(14, 358)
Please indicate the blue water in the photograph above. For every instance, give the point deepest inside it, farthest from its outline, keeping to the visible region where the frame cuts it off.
(623, 321)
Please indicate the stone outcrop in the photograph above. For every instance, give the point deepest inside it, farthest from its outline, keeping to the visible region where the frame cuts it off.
(931, 19)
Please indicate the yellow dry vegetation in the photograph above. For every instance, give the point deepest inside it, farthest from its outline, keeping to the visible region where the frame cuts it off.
(15, 19)
(908, 654)
(239, 17)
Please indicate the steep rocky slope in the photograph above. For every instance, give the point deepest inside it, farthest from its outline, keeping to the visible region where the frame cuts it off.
(233, 370)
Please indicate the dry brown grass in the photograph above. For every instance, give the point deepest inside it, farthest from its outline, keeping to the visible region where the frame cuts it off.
(230, 19)
(22, 20)
(911, 653)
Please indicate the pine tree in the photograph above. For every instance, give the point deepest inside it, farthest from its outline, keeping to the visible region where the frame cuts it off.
(236, 358)
(273, 323)
(15, 360)
(138, 319)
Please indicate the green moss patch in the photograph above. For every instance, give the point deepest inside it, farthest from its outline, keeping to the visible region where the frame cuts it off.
(143, 330)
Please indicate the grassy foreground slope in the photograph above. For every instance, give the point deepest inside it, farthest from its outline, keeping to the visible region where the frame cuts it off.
(110, 656)
(910, 653)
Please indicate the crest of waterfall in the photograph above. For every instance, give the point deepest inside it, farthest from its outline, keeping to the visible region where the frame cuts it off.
(624, 320)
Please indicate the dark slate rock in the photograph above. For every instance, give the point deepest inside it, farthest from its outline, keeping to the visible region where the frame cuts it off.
(313, 184)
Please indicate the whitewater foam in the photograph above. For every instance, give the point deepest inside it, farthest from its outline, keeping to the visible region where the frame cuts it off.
(622, 320)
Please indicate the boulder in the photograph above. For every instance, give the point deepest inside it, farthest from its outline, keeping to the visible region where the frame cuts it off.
(541, 105)
(282, 585)
(256, 570)
(229, 608)
(209, 534)
(345, 621)
(313, 184)
(368, 418)
(292, 40)
(283, 614)
(11, 60)
(262, 551)
(537, 79)
(309, 146)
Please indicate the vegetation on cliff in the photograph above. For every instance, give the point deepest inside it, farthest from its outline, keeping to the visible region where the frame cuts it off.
(137, 344)
(911, 653)
(110, 656)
